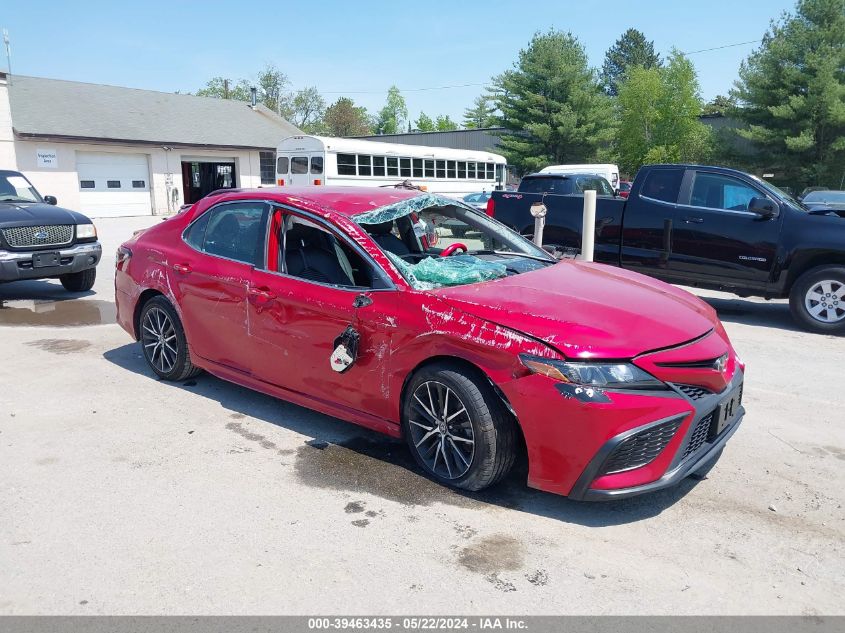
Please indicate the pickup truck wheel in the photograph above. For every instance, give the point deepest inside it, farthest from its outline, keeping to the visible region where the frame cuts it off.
(82, 281)
(163, 341)
(817, 299)
(457, 428)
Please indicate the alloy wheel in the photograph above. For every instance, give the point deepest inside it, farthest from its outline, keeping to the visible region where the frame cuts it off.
(441, 430)
(159, 339)
(825, 301)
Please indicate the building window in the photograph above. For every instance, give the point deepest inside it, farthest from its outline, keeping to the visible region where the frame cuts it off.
(365, 165)
(346, 164)
(266, 160)
(392, 166)
(405, 167)
(113, 184)
(378, 165)
(86, 184)
(138, 184)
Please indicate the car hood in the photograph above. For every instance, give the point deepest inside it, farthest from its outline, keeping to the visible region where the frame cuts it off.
(37, 213)
(587, 310)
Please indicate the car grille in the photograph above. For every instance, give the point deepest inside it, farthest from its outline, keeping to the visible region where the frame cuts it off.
(694, 393)
(641, 448)
(29, 236)
(699, 435)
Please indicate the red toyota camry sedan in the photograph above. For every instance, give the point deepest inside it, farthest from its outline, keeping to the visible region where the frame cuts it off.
(420, 317)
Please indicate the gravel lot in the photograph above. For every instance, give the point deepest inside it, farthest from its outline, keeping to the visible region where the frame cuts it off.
(125, 495)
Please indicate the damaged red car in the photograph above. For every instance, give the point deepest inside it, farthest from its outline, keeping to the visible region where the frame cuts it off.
(420, 317)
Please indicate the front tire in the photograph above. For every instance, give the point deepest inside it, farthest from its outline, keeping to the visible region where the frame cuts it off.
(817, 299)
(458, 430)
(82, 281)
(163, 341)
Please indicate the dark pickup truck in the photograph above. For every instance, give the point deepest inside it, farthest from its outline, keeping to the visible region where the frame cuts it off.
(39, 240)
(710, 227)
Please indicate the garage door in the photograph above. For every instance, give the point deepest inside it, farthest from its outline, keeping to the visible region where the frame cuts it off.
(113, 184)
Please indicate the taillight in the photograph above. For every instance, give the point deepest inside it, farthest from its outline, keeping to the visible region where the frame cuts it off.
(317, 181)
(491, 207)
(121, 258)
(281, 182)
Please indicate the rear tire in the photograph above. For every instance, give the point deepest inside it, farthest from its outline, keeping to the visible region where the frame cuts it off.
(163, 341)
(82, 281)
(817, 299)
(470, 450)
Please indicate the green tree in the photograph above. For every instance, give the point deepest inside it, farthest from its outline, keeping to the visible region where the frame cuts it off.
(720, 105)
(223, 88)
(480, 114)
(551, 105)
(631, 49)
(445, 124)
(394, 114)
(273, 90)
(307, 110)
(659, 111)
(792, 95)
(424, 123)
(344, 118)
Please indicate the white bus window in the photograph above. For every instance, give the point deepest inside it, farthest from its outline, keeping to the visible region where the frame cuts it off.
(316, 164)
(346, 164)
(392, 166)
(405, 167)
(441, 169)
(365, 165)
(378, 165)
(282, 165)
(490, 171)
(462, 169)
(500, 174)
(299, 165)
(429, 168)
(418, 169)
(470, 170)
(451, 171)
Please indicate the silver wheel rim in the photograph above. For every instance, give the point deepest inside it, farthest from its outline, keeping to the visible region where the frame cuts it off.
(825, 301)
(158, 337)
(441, 430)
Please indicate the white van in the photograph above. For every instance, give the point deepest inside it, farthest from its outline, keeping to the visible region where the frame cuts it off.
(610, 172)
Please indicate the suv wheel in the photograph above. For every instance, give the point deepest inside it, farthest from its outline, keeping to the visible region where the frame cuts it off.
(82, 281)
(817, 299)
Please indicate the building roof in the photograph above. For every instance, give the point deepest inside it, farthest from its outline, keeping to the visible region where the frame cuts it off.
(74, 110)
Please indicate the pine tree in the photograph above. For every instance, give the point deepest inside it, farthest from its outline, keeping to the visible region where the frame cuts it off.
(480, 115)
(631, 49)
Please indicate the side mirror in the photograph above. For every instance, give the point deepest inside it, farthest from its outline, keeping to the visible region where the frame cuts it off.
(51, 200)
(763, 207)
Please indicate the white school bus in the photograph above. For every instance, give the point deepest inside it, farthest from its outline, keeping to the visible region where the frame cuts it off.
(320, 160)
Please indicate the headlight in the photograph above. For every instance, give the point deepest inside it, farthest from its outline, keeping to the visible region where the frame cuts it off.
(84, 231)
(602, 375)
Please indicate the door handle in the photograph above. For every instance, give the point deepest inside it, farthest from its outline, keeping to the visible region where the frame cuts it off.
(690, 220)
(182, 268)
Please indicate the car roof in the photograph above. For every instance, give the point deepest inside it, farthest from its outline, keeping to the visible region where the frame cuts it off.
(346, 201)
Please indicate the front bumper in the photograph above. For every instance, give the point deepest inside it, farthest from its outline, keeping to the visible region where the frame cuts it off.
(18, 265)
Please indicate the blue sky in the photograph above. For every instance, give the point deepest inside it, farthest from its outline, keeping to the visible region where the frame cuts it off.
(359, 49)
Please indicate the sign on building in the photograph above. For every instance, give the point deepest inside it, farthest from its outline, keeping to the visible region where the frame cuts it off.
(47, 158)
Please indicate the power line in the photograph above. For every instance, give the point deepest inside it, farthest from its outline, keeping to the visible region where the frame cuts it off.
(718, 48)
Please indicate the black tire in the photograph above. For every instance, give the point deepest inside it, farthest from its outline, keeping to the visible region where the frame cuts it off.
(169, 359)
(494, 432)
(82, 281)
(803, 297)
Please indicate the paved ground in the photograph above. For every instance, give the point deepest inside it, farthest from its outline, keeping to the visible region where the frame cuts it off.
(121, 494)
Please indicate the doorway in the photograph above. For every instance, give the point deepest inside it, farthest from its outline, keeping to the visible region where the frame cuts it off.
(199, 178)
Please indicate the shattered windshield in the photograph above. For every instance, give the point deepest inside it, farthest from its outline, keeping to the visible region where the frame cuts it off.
(436, 241)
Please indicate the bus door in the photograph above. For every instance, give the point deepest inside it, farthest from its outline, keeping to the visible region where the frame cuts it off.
(306, 168)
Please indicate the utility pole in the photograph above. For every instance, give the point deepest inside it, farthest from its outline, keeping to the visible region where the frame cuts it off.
(8, 50)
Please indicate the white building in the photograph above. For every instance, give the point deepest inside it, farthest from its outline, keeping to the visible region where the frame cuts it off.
(109, 151)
